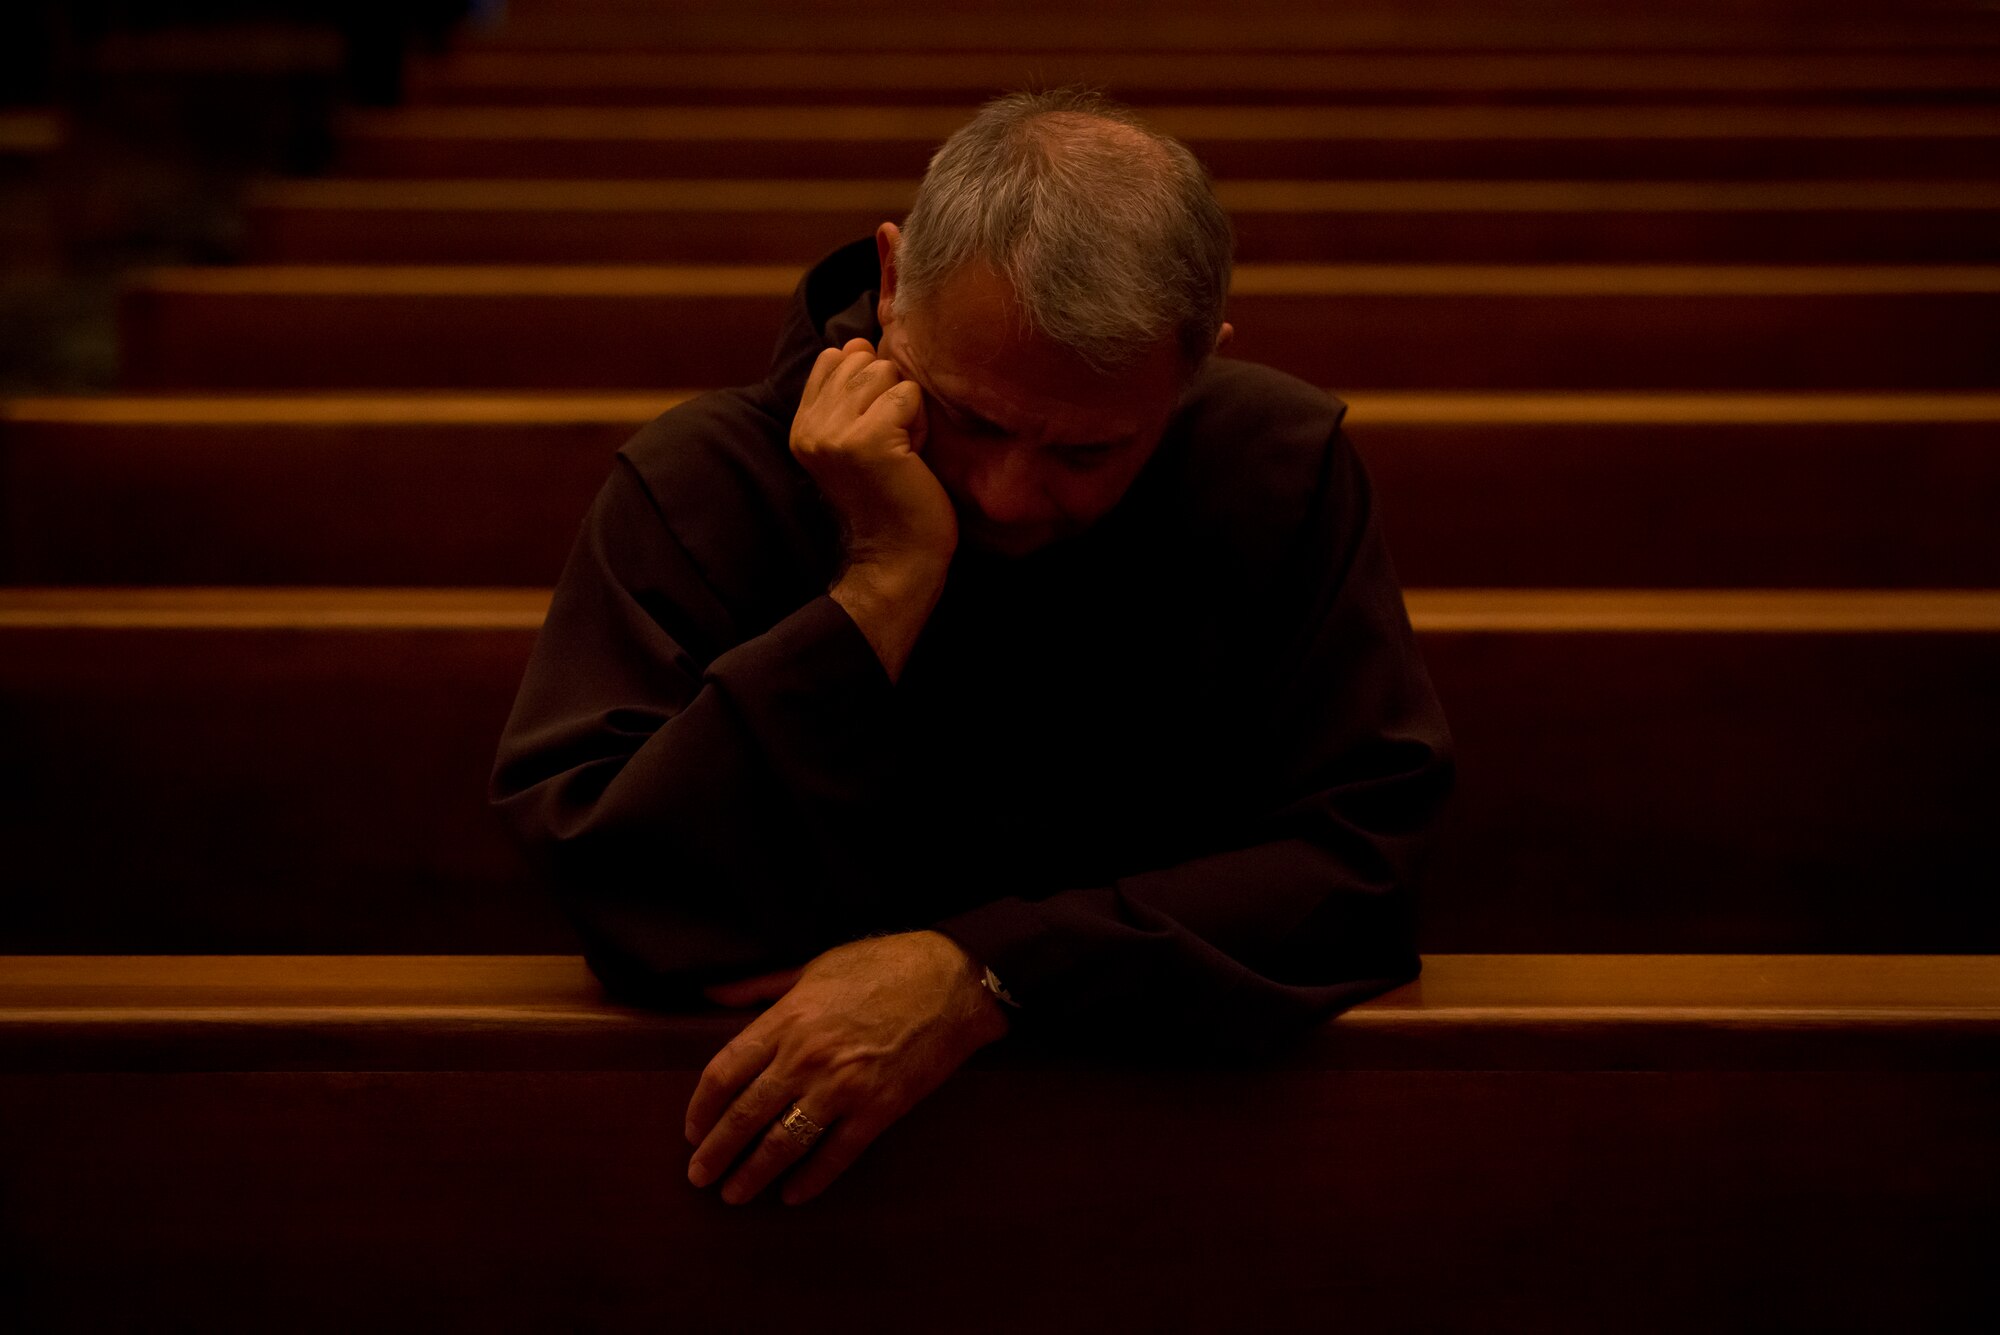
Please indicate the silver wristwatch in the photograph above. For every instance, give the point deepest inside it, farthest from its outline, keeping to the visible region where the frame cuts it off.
(991, 982)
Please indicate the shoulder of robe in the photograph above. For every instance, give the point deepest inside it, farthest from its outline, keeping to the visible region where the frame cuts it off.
(719, 470)
(1253, 446)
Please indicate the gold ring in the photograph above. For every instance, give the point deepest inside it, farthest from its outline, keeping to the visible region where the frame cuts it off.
(800, 1127)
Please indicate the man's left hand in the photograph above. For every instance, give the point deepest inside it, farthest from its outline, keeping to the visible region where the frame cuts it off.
(866, 1031)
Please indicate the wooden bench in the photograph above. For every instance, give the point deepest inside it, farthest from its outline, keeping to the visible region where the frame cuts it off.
(1365, 326)
(1513, 1142)
(303, 490)
(29, 134)
(487, 77)
(305, 769)
(30, 140)
(795, 222)
(1335, 143)
(1720, 490)
(1376, 27)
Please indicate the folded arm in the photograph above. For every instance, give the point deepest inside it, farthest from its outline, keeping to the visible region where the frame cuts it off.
(703, 804)
(1313, 908)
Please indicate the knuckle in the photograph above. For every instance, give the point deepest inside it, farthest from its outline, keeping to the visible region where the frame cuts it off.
(737, 1120)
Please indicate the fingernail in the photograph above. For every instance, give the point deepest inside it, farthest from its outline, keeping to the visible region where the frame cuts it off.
(698, 1174)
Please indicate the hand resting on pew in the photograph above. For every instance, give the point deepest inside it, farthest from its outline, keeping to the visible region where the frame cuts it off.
(860, 1035)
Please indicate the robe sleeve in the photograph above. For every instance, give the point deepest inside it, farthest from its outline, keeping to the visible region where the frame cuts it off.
(698, 817)
(1312, 908)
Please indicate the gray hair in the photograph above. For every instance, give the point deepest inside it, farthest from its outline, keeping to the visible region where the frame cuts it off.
(1108, 231)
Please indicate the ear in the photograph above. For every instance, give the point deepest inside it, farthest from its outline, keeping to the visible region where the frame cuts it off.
(887, 237)
(1224, 334)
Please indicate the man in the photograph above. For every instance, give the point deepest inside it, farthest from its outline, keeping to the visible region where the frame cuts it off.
(1002, 662)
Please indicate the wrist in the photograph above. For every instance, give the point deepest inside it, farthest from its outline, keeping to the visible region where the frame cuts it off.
(989, 1019)
(890, 600)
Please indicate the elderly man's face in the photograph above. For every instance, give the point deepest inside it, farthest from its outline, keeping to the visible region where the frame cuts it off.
(1030, 442)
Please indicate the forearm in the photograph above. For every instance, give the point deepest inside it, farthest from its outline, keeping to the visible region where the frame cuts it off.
(726, 830)
(890, 601)
(1232, 953)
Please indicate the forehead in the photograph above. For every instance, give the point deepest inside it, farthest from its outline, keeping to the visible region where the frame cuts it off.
(972, 344)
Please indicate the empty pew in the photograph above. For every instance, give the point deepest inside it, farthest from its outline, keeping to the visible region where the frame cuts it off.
(1804, 1140)
(31, 248)
(639, 76)
(795, 222)
(411, 490)
(1367, 326)
(1390, 27)
(304, 769)
(28, 135)
(1335, 143)
(1719, 490)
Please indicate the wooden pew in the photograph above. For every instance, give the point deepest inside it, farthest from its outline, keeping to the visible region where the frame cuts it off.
(1365, 326)
(411, 490)
(1335, 143)
(1382, 27)
(324, 1144)
(30, 247)
(29, 134)
(304, 769)
(1719, 490)
(795, 222)
(640, 77)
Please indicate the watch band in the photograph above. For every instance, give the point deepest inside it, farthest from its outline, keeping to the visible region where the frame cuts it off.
(991, 982)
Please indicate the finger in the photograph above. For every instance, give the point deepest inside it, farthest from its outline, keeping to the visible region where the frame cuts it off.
(831, 1154)
(863, 379)
(828, 361)
(754, 1109)
(896, 406)
(777, 1151)
(740, 1061)
(822, 367)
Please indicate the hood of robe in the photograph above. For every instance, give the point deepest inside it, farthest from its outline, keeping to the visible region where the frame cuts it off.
(834, 301)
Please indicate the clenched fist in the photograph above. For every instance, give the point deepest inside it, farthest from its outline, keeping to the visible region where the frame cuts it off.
(859, 433)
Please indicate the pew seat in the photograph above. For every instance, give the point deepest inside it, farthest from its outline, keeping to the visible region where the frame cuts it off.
(1334, 143)
(1383, 326)
(458, 221)
(285, 769)
(1256, 25)
(1553, 1012)
(1511, 1143)
(1822, 490)
(638, 76)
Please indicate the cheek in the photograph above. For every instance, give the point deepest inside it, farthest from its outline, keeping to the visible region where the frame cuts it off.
(1095, 492)
(945, 453)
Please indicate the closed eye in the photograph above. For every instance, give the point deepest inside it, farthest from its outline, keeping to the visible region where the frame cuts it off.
(977, 425)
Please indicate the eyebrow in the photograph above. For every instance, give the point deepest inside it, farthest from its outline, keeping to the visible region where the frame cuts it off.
(959, 410)
(978, 420)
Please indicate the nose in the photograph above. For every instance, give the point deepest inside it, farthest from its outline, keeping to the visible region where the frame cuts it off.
(1003, 486)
